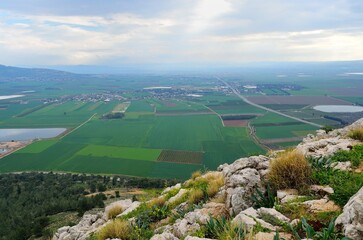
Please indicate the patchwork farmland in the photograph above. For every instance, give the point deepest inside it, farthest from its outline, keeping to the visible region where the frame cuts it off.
(195, 124)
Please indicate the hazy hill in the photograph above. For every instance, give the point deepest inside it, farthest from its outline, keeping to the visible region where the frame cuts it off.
(8, 73)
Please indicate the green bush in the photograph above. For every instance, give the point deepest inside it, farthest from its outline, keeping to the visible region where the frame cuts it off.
(354, 156)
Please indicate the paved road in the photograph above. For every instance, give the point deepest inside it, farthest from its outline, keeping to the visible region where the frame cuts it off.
(265, 108)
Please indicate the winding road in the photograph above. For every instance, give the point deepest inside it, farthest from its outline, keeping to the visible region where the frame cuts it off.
(235, 91)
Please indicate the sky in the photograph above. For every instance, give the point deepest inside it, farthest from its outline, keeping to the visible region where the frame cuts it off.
(119, 32)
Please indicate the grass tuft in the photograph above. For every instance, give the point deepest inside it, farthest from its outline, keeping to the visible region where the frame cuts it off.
(356, 133)
(290, 169)
(196, 195)
(117, 229)
(196, 174)
(114, 211)
(159, 201)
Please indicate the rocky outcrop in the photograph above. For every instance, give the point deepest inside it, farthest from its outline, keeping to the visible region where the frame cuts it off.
(193, 220)
(242, 178)
(164, 236)
(90, 223)
(326, 144)
(351, 220)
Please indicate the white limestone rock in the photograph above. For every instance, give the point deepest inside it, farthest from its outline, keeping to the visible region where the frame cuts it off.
(351, 220)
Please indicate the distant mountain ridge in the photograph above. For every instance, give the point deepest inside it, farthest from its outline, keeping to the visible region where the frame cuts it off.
(8, 73)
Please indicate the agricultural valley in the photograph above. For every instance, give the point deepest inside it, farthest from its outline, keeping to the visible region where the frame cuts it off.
(167, 126)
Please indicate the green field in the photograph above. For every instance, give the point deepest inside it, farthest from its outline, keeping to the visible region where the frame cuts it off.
(69, 114)
(132, 146)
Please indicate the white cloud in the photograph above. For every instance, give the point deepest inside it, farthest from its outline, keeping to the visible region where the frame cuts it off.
(226, 31)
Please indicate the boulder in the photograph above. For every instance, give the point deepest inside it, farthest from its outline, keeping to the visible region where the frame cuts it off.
(272, 216)
(168, 189)
(342, 166)
(208, 210)
(131, 208)
(351, 220)
(244, 220)
(196, 238)
(124, 204)
(251, 212)
(182, 228)
(179, 195)
(321, 205)
(322, 190)
(287, 195)
(271, 235)
(164, 236)
(242, 178)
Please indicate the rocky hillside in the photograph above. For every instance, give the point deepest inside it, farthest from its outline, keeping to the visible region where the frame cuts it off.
(311, 192)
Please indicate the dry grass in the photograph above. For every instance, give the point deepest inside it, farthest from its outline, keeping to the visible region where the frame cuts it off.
(219, 199)
(159, 201)
(196, 174)
(215, 181)
(117, 229)
(195, 195)
(114, 211)
(356, 133)
(290, 169)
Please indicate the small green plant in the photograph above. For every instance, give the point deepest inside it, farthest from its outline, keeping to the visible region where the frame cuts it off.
(354, 156)
(151, 215)
(327, 129)
(320, 163)
(326, 233)
(277, 236)
(266, 199)
(223, 229)
(345, 184)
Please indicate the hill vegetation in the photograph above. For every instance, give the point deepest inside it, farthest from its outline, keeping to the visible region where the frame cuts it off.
(30, 201)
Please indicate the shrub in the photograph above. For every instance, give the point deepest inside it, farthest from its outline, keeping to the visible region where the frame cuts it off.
(327, 129)
(356, 133)
(290, 169)
(114, 211)
(117, 229)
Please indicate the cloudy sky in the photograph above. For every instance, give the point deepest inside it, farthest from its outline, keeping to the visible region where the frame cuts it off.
(116, 32)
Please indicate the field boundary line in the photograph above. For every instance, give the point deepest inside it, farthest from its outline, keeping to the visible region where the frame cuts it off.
(74, 129)
(252, 133)
(220, 117)
(266, 108)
